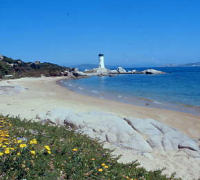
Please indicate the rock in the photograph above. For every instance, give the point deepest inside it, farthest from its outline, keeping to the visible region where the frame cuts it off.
(161, 136)
(133, 71)
(114, 71)
(1, 57)
(139, 135)
(121, 70)
(79, 73)
(152, 71)
(8, 76)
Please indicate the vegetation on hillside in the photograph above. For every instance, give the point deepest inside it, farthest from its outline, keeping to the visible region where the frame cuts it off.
(31, 150)
(19, 68)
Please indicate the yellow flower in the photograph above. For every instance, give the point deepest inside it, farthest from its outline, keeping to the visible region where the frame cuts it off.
(100, 170)
(47, 148)
(33, 141)
(106, 167)
(7, 151)
(103, 164)
(32, 152)
(19, 141)
(18, 153)
(1, 154)
(75, 149)
(49, 152)
(22, 145)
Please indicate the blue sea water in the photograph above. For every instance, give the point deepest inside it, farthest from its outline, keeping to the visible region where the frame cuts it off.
(178, 89)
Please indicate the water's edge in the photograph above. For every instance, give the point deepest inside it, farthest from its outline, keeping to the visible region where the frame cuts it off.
(138, 101)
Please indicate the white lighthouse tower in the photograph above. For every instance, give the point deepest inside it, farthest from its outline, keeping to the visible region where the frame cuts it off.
(101, 61)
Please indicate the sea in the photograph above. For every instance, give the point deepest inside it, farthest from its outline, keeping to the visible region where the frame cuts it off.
(178, 89)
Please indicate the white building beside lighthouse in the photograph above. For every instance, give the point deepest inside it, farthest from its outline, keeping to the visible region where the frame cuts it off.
(101, 61)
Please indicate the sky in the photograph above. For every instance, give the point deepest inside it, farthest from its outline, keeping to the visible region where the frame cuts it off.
(127, 32)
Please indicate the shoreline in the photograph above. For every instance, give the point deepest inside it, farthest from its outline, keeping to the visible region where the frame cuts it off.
(132, 100)
(41, 87)
(39, 97)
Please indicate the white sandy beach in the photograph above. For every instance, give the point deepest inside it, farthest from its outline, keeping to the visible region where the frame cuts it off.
(32, 97)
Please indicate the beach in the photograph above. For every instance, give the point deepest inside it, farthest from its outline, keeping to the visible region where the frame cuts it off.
(32, 97)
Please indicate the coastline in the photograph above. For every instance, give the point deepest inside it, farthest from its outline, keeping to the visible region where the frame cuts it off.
(41, 88)
(132, 100)
(38, 89)
(35, 96)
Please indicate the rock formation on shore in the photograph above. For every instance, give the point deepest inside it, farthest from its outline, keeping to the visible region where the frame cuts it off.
(140, 135)
(153, 143)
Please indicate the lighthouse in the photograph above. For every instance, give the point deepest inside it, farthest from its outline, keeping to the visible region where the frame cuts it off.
(101, 61)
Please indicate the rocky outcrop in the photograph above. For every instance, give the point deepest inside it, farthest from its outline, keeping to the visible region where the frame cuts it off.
(113, 71)
(139, 135)
(121, 70)
(152, 71)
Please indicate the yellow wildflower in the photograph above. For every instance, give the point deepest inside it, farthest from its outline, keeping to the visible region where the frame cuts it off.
(19, 141)
(7, 151)
(103, 164)
(18, 153)
(1, 154)
(106, 167)
(75, 149)
(22, 145)
(49, 152)
(32, 152)
(33, 141)
(100, 170)
(47, 148)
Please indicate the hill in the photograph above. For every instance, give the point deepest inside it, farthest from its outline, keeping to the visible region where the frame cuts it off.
(183, 65)
(18, 68)
(191, 64)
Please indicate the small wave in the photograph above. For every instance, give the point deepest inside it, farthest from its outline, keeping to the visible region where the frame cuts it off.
(95, 91)
(119, 96)
(157, 102)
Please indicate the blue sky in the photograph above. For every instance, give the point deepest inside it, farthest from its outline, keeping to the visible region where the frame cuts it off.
(128, 32)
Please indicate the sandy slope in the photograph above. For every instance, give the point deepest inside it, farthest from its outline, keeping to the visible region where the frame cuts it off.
(33, 96)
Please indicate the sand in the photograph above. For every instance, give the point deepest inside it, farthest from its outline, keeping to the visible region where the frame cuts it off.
(33, 96)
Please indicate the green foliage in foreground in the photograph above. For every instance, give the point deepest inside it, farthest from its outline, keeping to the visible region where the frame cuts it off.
(70, 155)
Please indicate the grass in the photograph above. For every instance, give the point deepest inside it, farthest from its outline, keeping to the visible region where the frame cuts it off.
(30, 150)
